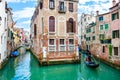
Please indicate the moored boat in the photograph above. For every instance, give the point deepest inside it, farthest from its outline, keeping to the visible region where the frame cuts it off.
(14, 53)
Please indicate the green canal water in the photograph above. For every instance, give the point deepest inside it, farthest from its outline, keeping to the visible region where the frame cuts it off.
(26, 67)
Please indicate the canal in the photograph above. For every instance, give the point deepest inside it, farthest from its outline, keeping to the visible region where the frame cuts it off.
(26, 67)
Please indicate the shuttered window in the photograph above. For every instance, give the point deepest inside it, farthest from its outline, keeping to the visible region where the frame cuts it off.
(106, 26)
(101, 18)
(35, 30)
(41, 5)
(115, 16)
(116, 34)
(101, 36)
(116, 51)
(51, 24)
(101, 27)
(70, 6)
(103, 49)
(71, 26)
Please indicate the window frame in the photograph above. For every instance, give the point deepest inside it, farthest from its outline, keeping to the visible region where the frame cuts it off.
(71, 8)
(52, 25)
(51, 4)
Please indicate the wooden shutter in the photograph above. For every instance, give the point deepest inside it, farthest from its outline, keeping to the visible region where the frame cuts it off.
(74, 26)
(41, 5)
(67, 26)
(70, 6)
(35, 30)
(113, 36)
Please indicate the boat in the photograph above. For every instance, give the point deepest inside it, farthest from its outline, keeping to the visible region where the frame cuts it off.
(90, 62)
(14, 53)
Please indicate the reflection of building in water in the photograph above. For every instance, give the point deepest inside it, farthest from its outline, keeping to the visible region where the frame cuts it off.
(22, 50)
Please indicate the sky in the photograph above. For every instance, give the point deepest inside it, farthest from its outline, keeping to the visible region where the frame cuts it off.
(24, 9)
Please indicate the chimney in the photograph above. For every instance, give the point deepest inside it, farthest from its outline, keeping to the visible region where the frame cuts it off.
(114, 2)
(97, 13)
(118, 0)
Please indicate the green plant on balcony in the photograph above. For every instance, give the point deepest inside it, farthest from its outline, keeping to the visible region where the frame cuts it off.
(110, 51)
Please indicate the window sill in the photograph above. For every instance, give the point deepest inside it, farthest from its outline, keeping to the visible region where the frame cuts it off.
(71, 33)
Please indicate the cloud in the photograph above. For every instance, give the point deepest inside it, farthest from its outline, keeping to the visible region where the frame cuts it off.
(26, 22)
(17, 1)
(24, 13)
(88, 6)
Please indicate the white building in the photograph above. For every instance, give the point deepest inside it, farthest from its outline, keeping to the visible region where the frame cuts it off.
(3, 31)
(85, 21)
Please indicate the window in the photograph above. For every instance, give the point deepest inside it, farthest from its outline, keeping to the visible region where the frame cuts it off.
(1, 39)
(116, 51)
(101, 27)
(71, 45)
(41, 5)
(71, 26)
(35, 30)
(51, 4)
(62, 42)
(93, 38)
(101, 36)
(85, 20)
(71, 7)
(106, 26)
(103, 49)
(115, 34)
(115, 16)
(61, 6)
(51, 42)
(88, 30)
(52, 46)
(51, 24)
(62, 46)
(101, 18)
(71, 41)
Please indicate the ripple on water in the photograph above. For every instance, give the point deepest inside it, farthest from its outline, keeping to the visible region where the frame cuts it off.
(22, 68)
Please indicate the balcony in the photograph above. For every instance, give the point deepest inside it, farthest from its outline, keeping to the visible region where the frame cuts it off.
(52, 48)
(62, 48)
(61, 9)
(105, 41)
(71, 47)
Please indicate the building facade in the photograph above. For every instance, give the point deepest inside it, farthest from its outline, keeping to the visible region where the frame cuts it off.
(54, 29)
(3, 32)
(87, 21)
(106, 43)
(115, 30)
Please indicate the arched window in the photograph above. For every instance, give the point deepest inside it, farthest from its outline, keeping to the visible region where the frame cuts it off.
(51, 24)
(71, 25)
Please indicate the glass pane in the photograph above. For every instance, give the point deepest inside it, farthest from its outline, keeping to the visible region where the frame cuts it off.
(51, 42)
(62, 41)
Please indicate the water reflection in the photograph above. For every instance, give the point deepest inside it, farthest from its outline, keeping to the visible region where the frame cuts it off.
(26, 67)
(22, 67)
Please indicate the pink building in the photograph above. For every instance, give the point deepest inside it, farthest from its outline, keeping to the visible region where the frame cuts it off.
(115, 28)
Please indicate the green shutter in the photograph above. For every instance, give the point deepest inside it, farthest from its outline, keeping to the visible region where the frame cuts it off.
(113, 36)
(119, 33)
(110, 50)
(101, 27)
(112, 17)
(106, 26)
